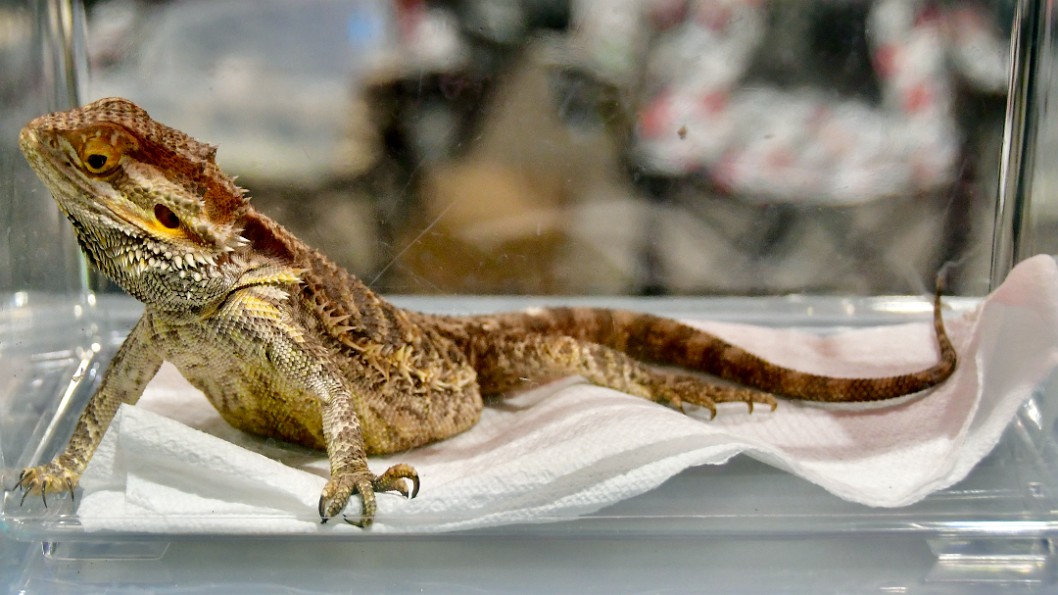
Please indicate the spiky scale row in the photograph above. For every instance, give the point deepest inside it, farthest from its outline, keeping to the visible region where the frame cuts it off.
(286, 344)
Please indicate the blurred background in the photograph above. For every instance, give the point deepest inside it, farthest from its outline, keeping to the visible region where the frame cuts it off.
(635, 147)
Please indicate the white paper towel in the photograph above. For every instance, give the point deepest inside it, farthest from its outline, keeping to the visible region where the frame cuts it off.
(171, 465)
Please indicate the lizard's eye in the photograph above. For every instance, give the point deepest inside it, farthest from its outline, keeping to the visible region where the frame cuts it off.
(96, 161)
(166, 217)
(99, 157)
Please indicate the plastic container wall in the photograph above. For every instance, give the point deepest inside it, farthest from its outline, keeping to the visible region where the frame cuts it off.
(726, 148)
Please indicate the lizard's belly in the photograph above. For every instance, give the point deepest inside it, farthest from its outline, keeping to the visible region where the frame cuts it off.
(245, 389)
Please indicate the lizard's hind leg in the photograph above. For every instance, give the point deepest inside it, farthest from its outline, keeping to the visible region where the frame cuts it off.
(511, 360)
(676, 389)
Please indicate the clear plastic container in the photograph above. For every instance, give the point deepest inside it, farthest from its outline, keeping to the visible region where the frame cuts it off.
(527, 149)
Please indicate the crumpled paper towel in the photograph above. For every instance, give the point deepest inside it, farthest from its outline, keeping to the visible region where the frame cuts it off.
(171, 465)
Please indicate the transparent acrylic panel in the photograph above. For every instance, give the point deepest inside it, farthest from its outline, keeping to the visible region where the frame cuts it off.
(1031, 178)
(42, 61)
(40, 72)
(719, 147)
(609, 149)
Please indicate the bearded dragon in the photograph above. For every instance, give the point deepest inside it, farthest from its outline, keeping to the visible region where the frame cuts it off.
(286, 344)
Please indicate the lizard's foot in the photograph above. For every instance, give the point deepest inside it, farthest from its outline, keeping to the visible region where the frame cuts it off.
(50, 477)
(342, 486)
(393, 480)
(678, 390)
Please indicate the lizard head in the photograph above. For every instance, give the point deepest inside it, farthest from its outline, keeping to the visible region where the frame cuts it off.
(149, 205)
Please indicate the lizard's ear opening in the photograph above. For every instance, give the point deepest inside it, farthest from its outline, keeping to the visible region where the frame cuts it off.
(166, 216)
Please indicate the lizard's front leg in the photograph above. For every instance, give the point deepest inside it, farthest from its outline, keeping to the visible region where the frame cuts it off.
(342, 434)
(136, 362)
(349, 470)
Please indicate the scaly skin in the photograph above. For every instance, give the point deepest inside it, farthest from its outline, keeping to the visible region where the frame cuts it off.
(286, 344)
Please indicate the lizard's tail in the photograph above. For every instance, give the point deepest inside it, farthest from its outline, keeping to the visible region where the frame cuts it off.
(661, 340)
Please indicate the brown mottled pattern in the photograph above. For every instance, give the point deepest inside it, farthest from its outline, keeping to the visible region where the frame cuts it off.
(284, 343)
(661, 340)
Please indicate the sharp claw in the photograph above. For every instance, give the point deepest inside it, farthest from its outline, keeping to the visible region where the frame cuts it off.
(29, 485)
(363, 523)
(750, 403)
(323, 516)
(414, 486)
